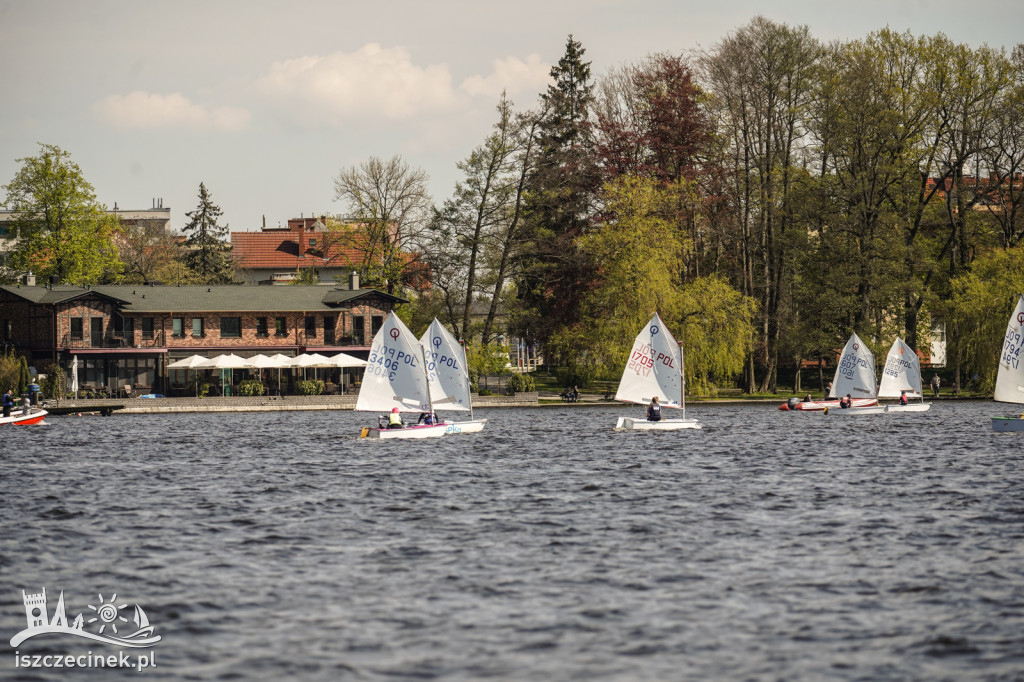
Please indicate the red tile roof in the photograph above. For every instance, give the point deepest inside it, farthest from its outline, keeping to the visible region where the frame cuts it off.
(279, 249)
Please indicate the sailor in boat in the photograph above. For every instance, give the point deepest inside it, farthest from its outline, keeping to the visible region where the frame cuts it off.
(654, 410)
(807, 398)
(395, 420)
(846, 402)
(428, 418)
(903, 397)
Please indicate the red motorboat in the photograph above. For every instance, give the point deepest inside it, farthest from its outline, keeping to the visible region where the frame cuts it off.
(21, 419)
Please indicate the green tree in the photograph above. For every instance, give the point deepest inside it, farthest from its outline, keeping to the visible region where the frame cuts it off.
(390, 207)
(207, 251)
(151, 256)
(482, 208)
(61, 229)
(976, 314)
(24, 377)
(560, 192)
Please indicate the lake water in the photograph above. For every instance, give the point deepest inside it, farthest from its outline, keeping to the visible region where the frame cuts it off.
(766, 546)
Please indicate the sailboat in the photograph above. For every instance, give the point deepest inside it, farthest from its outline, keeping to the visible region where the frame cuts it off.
(855, 376)
(902, 375)
(654, 368)
(396, 377)
(448, 375)
(1010, 376)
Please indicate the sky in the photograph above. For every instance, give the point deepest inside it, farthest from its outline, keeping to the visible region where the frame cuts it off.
(267, 101)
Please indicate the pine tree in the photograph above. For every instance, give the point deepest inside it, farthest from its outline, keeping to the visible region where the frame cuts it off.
(207, 254)
(560, 193)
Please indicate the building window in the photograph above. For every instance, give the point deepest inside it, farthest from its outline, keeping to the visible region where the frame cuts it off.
(359, 329)
(5, 330)
(178, 327)
(377, 322)
(261, 327)
(280, 326)
(312, 242)
(328, 329)
(310, 326)
(76, 328)
(230, 327)
(197, 328)
(96, 331)
(124, 329)
(147, 327)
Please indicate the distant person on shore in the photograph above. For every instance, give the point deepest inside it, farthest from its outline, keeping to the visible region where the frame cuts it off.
(395, 420)
(846, 402)
(575, 394)
(8, 403)
(936, 382)
(654, 410)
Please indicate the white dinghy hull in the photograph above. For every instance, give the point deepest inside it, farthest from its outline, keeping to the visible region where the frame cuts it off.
(630, 424)
(916, 407)
(473, 426)
(423, 431)
(851, 411)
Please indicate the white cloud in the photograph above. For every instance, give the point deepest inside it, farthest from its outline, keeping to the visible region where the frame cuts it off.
(512, 75)
(150, 111)
(372, 82)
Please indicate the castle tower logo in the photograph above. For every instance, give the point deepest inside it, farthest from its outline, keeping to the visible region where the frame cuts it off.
(108, 622)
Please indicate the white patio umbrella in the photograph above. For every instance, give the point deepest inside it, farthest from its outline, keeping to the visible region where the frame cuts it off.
(310, 360)
(281, 360)
(230, 361)
(74, 376)
(344, 360)
(190, 362)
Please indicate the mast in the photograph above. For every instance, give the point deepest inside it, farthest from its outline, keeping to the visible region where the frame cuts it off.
(426, 374)
(682, 381)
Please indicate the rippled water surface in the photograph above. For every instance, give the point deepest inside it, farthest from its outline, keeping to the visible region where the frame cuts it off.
(766, 546)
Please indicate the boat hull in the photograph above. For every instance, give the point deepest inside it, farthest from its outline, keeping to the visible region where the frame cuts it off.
(630, 424)
(419, 431)
(1007, 424)
(819, 405)
(916, 407)
(34, 417)
(857, 410)
(472, 426)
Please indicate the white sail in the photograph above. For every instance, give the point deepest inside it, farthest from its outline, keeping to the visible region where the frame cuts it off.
(654, 368)
(447, 370)
(394, 375)
(902, 372)
(855, 375)
(1010, 377)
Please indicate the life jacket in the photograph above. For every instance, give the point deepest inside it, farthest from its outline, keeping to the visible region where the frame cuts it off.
(395, 419)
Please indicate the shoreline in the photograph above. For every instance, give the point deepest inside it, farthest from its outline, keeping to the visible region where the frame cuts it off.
(296, 403)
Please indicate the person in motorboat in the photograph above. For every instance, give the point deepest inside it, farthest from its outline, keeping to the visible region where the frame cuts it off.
(654, 410)
(8, 403)
(807, 398)
(846, 402)
(427, 418)
(903, 397)
(395, 420)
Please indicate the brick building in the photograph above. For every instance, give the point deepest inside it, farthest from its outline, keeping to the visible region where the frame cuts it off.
(126, 335)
